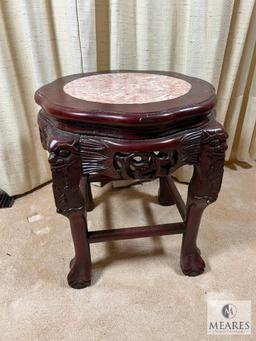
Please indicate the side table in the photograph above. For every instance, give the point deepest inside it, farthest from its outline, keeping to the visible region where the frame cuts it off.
(131, 125)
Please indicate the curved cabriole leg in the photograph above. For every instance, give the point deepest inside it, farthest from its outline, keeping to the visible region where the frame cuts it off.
(164, 194)
(80, 267)
(203, 190)
(69, 202)
(66, 174)
(191, 262)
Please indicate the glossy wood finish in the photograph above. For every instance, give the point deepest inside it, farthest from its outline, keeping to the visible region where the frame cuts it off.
(165, 196)
(92, 142)
(171, 192)
(136, 232)
(85, 188)
(77, 115)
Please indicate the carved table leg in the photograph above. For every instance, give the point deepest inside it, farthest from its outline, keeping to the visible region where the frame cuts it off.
(64, 159)
(203, 190)
(191, 262)
(164, 194)
(80, 273)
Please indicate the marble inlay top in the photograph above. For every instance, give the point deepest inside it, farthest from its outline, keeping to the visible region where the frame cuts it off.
(127, 88)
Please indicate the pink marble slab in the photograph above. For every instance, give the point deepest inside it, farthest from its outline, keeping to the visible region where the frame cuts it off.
(127, 88)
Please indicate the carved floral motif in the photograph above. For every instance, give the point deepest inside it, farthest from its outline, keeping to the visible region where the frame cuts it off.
(144, 165)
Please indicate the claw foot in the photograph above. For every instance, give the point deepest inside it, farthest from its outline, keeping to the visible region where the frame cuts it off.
(78, 277)
(192, 264)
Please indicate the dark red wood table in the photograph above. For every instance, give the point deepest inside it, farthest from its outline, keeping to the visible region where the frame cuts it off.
(131, 125)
